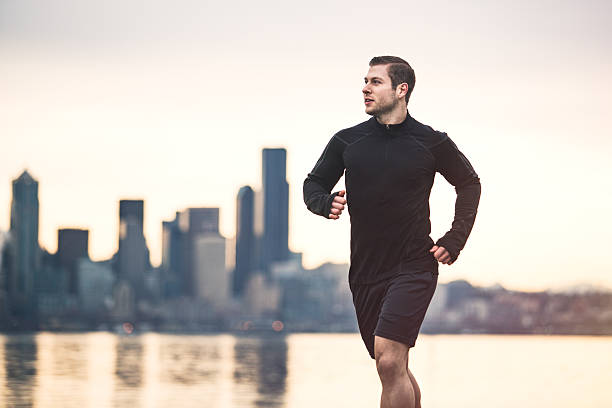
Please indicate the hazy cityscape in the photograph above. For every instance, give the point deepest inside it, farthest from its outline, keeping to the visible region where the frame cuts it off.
(251, 283)
(155, 249)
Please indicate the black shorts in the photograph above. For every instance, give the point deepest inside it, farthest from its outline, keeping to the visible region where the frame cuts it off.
(394, 308)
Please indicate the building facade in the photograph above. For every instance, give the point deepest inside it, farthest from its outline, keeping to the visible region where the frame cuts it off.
(25, 250)
(275, 245)
(245, 240)
(133, 259)
(72, 244)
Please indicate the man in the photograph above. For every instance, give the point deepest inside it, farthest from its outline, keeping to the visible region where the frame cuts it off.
(390, 163)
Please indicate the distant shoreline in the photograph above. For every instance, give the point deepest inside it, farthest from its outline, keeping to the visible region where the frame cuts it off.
(271, 333)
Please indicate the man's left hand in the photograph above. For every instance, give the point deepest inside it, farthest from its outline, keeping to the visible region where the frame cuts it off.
(441, 254)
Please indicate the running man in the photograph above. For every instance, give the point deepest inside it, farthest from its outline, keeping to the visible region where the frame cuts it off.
(390, 162)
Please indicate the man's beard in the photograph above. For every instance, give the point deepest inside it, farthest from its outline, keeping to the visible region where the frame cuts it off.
(384, 109)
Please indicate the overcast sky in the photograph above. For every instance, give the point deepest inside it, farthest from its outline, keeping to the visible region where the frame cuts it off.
(172, 102)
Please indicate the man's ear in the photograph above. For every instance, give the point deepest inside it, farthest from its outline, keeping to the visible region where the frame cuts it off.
(401, 90)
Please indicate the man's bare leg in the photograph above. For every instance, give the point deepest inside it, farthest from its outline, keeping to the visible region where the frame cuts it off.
(415, 386)
(391, 363)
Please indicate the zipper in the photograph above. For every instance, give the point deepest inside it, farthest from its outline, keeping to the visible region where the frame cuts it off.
(386, 164)
(386, 152)
(387, 136)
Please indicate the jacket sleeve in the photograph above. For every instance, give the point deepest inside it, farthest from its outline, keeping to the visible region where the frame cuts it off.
(458, 171)
(323, 177)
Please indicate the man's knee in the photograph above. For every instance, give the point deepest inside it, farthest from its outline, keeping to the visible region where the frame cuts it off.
(389, 368)
(391, 358)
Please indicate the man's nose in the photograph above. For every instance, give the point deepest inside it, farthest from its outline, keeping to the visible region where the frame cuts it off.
(365, 90)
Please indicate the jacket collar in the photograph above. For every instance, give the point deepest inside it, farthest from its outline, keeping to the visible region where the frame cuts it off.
(405, 125)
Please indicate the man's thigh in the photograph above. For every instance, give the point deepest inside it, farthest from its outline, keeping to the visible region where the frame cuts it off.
(405, 305)
(368, 300)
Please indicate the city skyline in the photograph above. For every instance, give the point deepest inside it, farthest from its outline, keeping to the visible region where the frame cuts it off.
(65, 289)
(579, 287)
(195, 287)
(153, 101)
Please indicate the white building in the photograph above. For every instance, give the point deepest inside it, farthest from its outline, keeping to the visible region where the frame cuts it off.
(212, 279)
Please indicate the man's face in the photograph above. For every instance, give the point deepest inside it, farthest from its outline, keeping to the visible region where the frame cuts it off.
(379, 96)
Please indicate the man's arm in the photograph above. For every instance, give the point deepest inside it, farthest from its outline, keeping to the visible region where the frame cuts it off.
(458, 171)
(321, 180)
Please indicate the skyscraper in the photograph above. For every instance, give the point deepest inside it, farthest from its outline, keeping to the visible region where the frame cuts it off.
(275, 245)
(187, 269)
(258, 228)
(26, 252)
(133, 256)
(204, 220)
(211, 278)
(245, 240)
(207, 277)
(194, 222)
(174, 252)
(169, 231)
(72, 244)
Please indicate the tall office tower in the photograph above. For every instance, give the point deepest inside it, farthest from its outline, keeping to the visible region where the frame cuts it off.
(24, 234)
(275, 245)
(210, 275)
(133, 256)
(203, 220)
(169, 232)
(207, 277)
(245, 240)
(173, 255)
(258, 229)
(72, 244)
(193, 223)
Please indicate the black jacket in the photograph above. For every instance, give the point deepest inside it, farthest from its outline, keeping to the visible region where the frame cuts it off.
(390, 170)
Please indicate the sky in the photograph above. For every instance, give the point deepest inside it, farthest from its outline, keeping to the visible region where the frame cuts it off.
(172, 102)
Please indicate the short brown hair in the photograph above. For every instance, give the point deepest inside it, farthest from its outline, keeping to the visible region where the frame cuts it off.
(399, 71)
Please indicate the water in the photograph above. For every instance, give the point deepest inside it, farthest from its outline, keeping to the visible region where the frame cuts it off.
(299, 370)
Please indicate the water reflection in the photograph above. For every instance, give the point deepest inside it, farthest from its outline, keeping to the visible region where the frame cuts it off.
(298, 371)
(128, 362)
(151, 370)
(194, 370)
(20, 369)
(128, 371)
(60, 370)
(190, 362)
(260, 362)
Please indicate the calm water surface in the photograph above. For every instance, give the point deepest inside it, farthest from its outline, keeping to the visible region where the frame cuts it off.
(299, 370)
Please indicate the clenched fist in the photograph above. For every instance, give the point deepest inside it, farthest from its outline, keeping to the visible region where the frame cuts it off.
(441, 254)
(337, 205)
